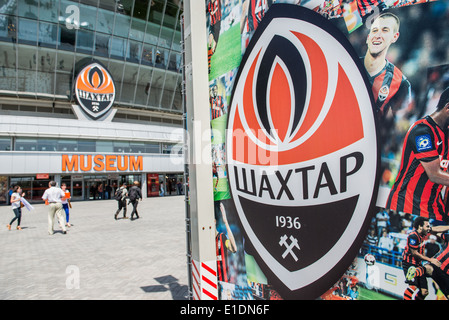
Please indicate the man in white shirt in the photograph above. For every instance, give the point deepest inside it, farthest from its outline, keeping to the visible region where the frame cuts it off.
(53, 196)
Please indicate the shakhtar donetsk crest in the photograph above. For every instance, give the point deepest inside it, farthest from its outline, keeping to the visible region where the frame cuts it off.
(302, 151)
(95, 90)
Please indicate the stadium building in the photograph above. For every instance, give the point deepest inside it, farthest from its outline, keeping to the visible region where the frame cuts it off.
(90, 95)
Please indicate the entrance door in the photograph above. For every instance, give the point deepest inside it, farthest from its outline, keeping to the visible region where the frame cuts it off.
(77, 189)
(94, 188)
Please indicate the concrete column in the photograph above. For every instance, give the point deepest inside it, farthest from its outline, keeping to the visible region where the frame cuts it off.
(199, 147)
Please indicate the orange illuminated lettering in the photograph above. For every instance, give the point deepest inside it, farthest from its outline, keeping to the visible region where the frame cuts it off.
(98, 159)
(101, 163)
(85, 165)
(110, 163)
(123, 167)
(135, 164)
(69, 165)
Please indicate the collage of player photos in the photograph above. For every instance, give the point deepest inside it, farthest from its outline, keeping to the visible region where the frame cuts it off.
(404, 46)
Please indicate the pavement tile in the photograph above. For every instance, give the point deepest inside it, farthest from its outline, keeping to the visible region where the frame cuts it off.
(99, 258)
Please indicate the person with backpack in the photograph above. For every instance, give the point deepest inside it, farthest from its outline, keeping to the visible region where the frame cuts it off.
(120, 195)
(134, 195)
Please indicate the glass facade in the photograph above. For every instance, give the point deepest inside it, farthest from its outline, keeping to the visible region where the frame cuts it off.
(137, 40)
(73, 145)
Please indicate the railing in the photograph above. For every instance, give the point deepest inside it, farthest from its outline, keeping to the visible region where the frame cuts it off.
(389, 257)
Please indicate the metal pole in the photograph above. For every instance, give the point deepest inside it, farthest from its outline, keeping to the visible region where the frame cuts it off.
(186, 167)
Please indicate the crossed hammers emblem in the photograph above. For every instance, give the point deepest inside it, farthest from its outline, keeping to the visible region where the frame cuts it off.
(290, 247)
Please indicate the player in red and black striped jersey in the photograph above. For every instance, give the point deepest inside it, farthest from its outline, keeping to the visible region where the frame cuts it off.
(438, 267)
(423, 171)
(225, 243)
(412, 257)
(214, 11)
(368, 7)
(217, 106)
(440, 274)
(252, 13)
(390, 87)
(413, 191)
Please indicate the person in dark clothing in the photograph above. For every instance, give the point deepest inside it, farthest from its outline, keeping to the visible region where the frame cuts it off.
(121, 195)
(134, 195)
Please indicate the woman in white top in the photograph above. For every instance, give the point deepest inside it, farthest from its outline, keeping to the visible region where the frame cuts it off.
(16, 207)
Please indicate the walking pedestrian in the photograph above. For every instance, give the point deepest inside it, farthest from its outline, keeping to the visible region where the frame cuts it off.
(135, 194)
(65, 203)
(16, 206)
(120, 195)
(53, 195)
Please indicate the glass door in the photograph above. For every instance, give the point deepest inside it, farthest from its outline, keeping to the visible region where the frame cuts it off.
(77, 189)
(95, 187)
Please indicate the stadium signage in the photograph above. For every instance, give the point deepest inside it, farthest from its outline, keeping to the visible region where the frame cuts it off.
(302, 151)
(95, 90)
(99, 162)
(257, 183)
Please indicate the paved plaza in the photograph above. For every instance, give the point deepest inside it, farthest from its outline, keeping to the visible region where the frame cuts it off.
(99, 257)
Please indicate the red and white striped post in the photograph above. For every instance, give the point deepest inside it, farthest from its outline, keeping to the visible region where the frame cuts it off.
(204, 280)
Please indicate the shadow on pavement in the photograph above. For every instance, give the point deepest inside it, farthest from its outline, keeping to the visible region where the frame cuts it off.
(169, 283)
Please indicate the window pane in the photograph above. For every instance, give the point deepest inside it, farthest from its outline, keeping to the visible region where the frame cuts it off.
(155, 91)
(136, 147)
(134, 51)
(46, 145)
(140, 9)
(105, 22)
(152, 147)
(166, 38)
(143, 85)
(117, 48)
(104, 146)
(66, 38)
(152, 31)
(5, 144)
(86, 146)
(8, 33)
(85, 41)
(64, 69)
(28, 31)
(26, 144)
(116, 70)
(157, 7)
(129, 83)
(121, 146)
(175, 62)
(101, 45)
(171, 15)
(48, 10)
(66, 145)
(161, 58)
(28, 8)
(148, 54)
(177, 98)
(46, 59)
(121, 27)
(166, 148)
(27, 69)
(48, 34)
(137, 31)
(88, 16)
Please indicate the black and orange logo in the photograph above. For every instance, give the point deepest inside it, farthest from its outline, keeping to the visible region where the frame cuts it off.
(95, 90)
(302, 151)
